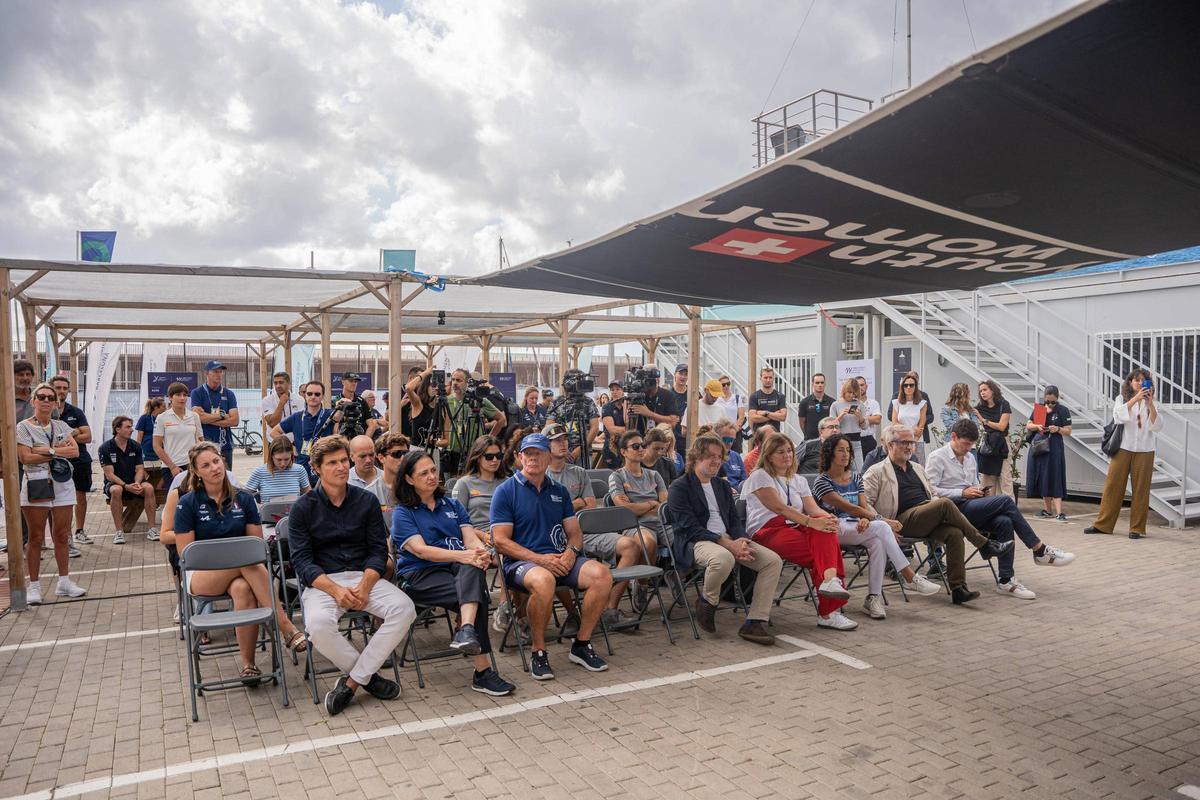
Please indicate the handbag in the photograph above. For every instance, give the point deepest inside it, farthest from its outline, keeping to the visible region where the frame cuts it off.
(1110, 443)
(993, 445)
(60, 470)
(37, 489)
(1040, 446)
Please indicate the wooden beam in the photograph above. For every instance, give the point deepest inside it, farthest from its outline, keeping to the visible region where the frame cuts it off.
(750, 334)
(30, 315)
(326, 356)
(17, 574)
(415, 294)
(25, 284)
(44, 317)
(378, 294)
(563, 346)
(287, 353)
(485, 356)
(73, 354)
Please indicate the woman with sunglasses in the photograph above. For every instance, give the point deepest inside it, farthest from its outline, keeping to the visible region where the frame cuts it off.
(1046, 474)
(41, 440)
(642, 491)
(484, 472)
(910, 408)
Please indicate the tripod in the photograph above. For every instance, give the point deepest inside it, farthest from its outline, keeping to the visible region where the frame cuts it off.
(574, 415)
(466, 425)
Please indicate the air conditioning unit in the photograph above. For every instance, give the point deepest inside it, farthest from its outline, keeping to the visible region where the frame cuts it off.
(790, 138)
(852, 339)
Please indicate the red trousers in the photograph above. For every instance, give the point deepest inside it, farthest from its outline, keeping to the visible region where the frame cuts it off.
(814, 550)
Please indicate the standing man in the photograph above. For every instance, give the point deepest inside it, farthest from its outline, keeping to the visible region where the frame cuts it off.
(125, 477)
(81, 466)
(679, 391)
(281, 403)
(612, 419)
(355, 413)
(307, 426)
(216, 406)
(815, 407)
(493, 421)
(767, 406)
(23, 378)
(381, 423)
(733, 406)
(658, 408)
(710, 410)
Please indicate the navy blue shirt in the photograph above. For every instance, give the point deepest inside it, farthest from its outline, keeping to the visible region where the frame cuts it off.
(325, 539)
(124, 462)
(441, 527)
(536, 516)
(535, 419)
(196, 512)
(306, 428)
(75, 418)
(211, 400)
(145, 424)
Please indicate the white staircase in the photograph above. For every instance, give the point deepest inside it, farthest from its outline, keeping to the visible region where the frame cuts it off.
(1006, 334)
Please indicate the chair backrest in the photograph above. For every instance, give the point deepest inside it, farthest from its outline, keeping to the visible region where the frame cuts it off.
(273, 510)
(281, 528)
(599, 487)
(739, 510)
(450, 486)
(600, 474)
(811, 479)
(231, 553)
(612, 519)
(664, 516)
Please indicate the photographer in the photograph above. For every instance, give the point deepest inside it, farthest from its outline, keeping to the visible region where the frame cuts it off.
(356, 419)
(578, 414)
(649, 404)
(472, 415)
(613, 417)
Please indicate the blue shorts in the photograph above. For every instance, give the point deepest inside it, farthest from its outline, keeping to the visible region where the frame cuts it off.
(514, 573)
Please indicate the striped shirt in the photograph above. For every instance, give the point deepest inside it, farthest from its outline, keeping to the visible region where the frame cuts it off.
(291, 482)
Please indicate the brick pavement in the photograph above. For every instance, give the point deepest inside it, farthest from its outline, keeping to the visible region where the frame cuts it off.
(1088, 692)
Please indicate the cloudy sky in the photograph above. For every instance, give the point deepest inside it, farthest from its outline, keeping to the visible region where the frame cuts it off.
(252, 132)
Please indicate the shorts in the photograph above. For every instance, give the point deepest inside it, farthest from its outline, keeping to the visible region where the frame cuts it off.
(602, 545)
(64, 494)
(81, 472)
(514, 573)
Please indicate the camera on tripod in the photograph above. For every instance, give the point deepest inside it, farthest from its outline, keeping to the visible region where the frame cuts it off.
(638, 383)
(438, 378)
(576, 382)
(477, 389)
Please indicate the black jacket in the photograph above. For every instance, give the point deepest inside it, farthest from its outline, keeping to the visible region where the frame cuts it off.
(324, 539)
(689, 516)
(808, 457)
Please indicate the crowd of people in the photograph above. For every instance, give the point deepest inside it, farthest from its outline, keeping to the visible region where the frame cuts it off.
(374, 524)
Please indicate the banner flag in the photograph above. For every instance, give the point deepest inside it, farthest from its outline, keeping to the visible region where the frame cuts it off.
(102, 366)
(97, 245)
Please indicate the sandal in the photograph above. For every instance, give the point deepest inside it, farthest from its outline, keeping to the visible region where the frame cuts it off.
(296, 642)
(251, 675)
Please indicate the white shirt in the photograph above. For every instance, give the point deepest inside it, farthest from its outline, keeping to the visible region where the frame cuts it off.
(730, 406)
(178, 434)
(909, 413)
(948, 475)
(715, 523)
(707, 415)
(791, 492)
(1137, 438)
(870, 409)
(291, 404)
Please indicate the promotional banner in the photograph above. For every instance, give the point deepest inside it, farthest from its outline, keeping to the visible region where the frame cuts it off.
(854, 368)
(506, 382)
(51, 355)
(154, 359)
(97, 245)
(452, 358)
(398, 260)
(363, 385)
(102, 366)
(902, 360)
(156, 383)
(302, 363)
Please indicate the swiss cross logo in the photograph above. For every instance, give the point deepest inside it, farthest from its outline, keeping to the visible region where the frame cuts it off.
(761, 245)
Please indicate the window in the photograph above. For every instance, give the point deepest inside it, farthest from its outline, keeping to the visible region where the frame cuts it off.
(1173, 357)
(793, 375)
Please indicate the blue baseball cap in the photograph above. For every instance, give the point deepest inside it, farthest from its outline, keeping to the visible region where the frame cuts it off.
(535, 440)
(211, 365)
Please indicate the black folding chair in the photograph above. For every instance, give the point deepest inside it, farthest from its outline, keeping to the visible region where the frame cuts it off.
(426, 617)
(352, 622)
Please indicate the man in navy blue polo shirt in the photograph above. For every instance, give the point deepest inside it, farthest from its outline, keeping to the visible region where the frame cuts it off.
(217, 408)
(307, 426)
(534, 528)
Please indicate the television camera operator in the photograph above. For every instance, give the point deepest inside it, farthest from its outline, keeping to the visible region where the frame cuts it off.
(648, 403)
(356, 418)
(472, 414)
(575, 411)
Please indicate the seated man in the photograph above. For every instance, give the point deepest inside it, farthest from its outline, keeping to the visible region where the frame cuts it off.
(366, 474)
(808, 454)
(709, 534)
(954, 474)
(124, 476)
(898, 489)
(339, 550)
(534, 528)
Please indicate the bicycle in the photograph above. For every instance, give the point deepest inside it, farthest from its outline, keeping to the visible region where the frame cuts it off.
(251, 442)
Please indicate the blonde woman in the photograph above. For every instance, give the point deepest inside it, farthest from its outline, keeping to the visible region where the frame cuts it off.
(850, 412)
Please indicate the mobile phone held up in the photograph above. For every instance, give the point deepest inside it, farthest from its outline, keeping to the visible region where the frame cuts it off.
(1148, 385)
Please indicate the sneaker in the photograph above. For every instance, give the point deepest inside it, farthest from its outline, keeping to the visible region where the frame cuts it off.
(1135, 535)
(73, 551)
(119, 537)
(755, 631)
(994, 548)
(465, 641)
(961, 594)
(1013, 588)
(873, 605)
(570, 628)
(921, 585)
(834, 589)
(616, 619)
(540, 668)
(33, 595)
(490, 682)
(152, 535)
(1044, 514)
(381, 688)
(838, 621)
(82, 538)
(706, 615)
(642, 592)
(1093, 529)
(67, 588)
(1053, 557)
(583, 655)
(175, 616)
(502, 617)
(338, 697)
(1061, 518)
(522, 632)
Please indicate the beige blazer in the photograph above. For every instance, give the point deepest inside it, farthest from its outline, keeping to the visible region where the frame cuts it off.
(883, 492)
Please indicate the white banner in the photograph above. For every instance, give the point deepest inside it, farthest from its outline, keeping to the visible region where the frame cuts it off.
(302, 363)
(102, 366)
(452, 358)
(154, 359)
(862, 367)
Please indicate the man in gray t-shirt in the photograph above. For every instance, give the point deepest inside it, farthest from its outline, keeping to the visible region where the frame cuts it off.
(574, 477)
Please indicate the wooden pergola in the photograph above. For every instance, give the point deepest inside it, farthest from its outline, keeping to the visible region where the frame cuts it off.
(269, 310)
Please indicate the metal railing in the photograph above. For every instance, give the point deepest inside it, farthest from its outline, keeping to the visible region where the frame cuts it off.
(793, 125)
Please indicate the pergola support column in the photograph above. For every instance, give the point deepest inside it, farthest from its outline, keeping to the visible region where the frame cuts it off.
(750, 333)
(326, 355)
(30, 316)
(564, 333)
(694, 343)
(485, 356)
(395, 350)
(73, 358)
(18, 579)
(287, 353)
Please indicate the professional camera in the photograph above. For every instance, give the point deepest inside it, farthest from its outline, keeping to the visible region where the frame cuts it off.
(638, 383)
(577, 382)
(478, 389)
(438, 378)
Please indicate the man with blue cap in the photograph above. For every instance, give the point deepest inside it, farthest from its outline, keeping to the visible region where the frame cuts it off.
(217, 408)
(534, 528)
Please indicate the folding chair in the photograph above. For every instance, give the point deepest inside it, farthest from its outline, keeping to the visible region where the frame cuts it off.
(695, 578)
(273, 511)
(679, 588)
(426, 616)
(600, 474)
(289, 587)
(599, 487)
(232, 553)
(352, 622)
(622, 520)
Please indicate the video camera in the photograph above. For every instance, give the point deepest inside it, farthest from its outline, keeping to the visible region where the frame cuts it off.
(478, 389)
(638, 383)
(576, 382)
(438, 378)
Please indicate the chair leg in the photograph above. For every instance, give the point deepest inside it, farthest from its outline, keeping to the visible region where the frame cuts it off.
(277, 659)
(411, 644)
(193, 665)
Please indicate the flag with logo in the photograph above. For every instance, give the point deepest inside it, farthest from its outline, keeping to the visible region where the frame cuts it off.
(97, 245)
(406, 261)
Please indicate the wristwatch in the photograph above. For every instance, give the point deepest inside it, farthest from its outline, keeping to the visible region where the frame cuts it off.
(578, 551)
(878, 517)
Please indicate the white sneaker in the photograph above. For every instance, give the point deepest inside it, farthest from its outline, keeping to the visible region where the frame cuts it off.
(119, 538)
(152, 535)
(838, 621)
(834, 589)
(1053, 557)
(175, 616)
(501, 617)
(1014, 589)
(66, 588)
(922, 586)
(873, 605)
(81, 537)
(33, 595)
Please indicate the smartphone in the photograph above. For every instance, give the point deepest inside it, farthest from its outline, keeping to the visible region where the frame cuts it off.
(853, 406)
(986, 490)
(1148, 384)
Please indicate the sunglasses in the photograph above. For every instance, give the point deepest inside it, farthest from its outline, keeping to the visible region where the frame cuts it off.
(725, 384)
(908, 385)
(397, 453)
(490, 456)
(314, 394)
(637, 447)
(52, 398)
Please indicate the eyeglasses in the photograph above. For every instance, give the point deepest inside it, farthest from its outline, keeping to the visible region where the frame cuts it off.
(491, 456)
(314, 394)
(904, 442)
(397, 453)
(725, 384)
(51, 398)
(908, 385)
(637, 447)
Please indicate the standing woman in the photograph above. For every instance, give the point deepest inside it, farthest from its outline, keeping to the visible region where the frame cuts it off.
(1136, 412)
(1046, 474)
(416, 418)
(993, 413)
(485, 471)
(41, 440)
(874, 415)
(911, 409)
(851, 415)
(958, 406)
(143, 434)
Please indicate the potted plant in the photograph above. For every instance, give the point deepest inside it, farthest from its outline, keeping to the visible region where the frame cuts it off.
(1016, 443)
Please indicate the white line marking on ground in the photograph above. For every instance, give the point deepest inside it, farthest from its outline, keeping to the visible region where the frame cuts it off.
(841, 658)
(100, 637)
(1187, 790)
(48, 575)
(420, 726)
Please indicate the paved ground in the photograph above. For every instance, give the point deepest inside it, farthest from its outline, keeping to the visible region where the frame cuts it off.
(1088, 692)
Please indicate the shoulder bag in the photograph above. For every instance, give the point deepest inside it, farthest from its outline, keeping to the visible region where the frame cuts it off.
(1110, 443)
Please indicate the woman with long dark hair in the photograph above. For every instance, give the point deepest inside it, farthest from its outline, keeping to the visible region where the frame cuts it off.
(417, 415)
(442, 561)
(485, 471)
(1046, 473)
(1138, 415)
(992, 413)
(910, 408)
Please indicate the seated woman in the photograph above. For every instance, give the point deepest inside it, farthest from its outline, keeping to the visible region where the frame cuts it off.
(781, 514)
(659, 454)
(751, 459)
(281, 478)
(642, 491)
(485, 471)
(213, 509)
(734, 469)
(840, 492)
(443, 562)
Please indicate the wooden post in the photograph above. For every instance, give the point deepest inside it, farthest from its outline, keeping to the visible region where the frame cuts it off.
(395, 346)
(650, 348)
(287, 353)
(694, 342)
(19, 579)
(30, 315)
(750, 332)
(54, 345)
(326, 355)
(564, 332)
(73, 356)
(485, 356)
